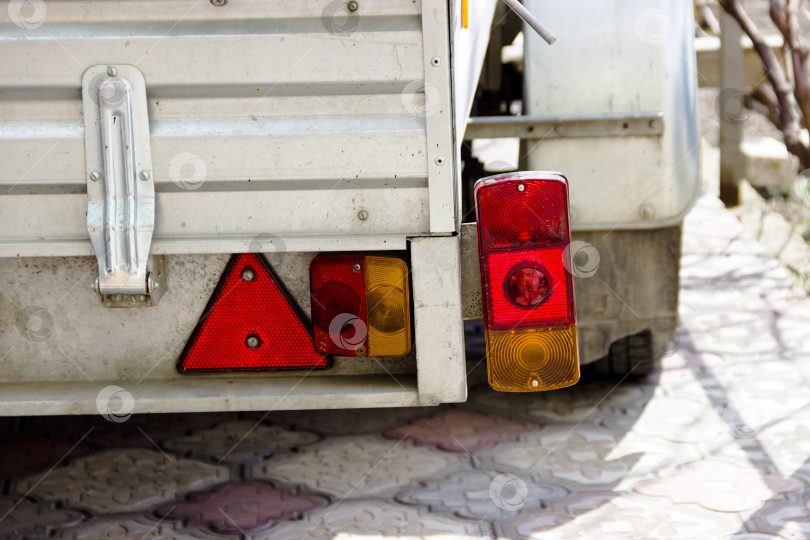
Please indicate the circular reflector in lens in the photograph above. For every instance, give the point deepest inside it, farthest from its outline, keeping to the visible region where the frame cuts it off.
(527, 286)
(386, 308)
(331, 300)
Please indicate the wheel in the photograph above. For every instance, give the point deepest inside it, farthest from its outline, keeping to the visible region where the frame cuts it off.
(632, 356)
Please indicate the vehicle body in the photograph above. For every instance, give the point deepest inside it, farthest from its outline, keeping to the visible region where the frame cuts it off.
(615, 109)
(289, 129)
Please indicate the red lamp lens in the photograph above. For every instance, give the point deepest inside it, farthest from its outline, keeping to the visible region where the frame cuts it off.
(338, 286)
(518, 213)
(338, 298)
(527, 286)
(501, 307)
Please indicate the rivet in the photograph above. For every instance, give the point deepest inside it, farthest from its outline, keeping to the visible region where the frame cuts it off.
(95, 176)
(521, 187)
(535, 383)
(253, 341)
(440, 161)
(362, 215)
(647, 211)
(112, 71)
(435, 61)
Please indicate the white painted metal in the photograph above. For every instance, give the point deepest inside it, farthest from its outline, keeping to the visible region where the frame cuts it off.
(71, 336)
(281, 117)
(617, 56)
(469, 48)
(202, 395)
(273, 125)
(445, 199)
(441, 365)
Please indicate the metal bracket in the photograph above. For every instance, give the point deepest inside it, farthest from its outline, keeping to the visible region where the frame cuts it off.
(156, 284)
(120, 187)
(639, 124)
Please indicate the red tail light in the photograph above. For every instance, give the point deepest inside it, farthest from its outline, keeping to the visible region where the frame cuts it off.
(360, 306)
(529, 311)
(250, 323)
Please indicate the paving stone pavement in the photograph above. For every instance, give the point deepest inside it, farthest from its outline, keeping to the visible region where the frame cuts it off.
(716, 444)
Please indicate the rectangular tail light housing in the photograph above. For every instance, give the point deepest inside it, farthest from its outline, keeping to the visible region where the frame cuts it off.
(360, 305)
(527, 286)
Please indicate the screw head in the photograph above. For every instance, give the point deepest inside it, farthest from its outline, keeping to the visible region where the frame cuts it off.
(521, 187)
(112, 71)
(219, 3)
(248, 274)
(362, 215)
(361, 350)
(356, 267)
(145, 175)
(253, 341)
(352, 5)
(535, 383)
(95, 176)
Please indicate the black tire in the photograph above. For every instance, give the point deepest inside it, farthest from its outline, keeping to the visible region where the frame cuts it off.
(632, 357)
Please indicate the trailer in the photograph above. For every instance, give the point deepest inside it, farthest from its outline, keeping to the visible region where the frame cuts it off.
(248, 205)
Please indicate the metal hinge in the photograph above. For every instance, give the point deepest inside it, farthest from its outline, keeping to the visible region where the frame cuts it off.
(120, 186)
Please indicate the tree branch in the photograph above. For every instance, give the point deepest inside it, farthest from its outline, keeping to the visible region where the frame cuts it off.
(798, 57)
(783, 90)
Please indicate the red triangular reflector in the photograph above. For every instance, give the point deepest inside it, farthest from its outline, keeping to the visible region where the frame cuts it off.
(250, 323)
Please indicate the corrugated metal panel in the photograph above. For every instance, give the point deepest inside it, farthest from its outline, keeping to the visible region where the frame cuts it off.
(265, 117)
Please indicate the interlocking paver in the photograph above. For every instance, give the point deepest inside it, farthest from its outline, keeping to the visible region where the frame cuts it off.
(21, 517)
(459, 431)
(573, 405)
(358, 466)
(578, 454)
(139, 431)
(241, 507)
(122, 480)
(611, 515)
(791, 516)
(239, 442)
(681, 420)
(377, 519)
(346, 422)
(482, 495)
(25, 453)
(134, 527)
(720, 486)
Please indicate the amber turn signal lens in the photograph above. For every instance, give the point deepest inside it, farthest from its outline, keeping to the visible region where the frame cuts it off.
(527, 360)
(389, 324)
